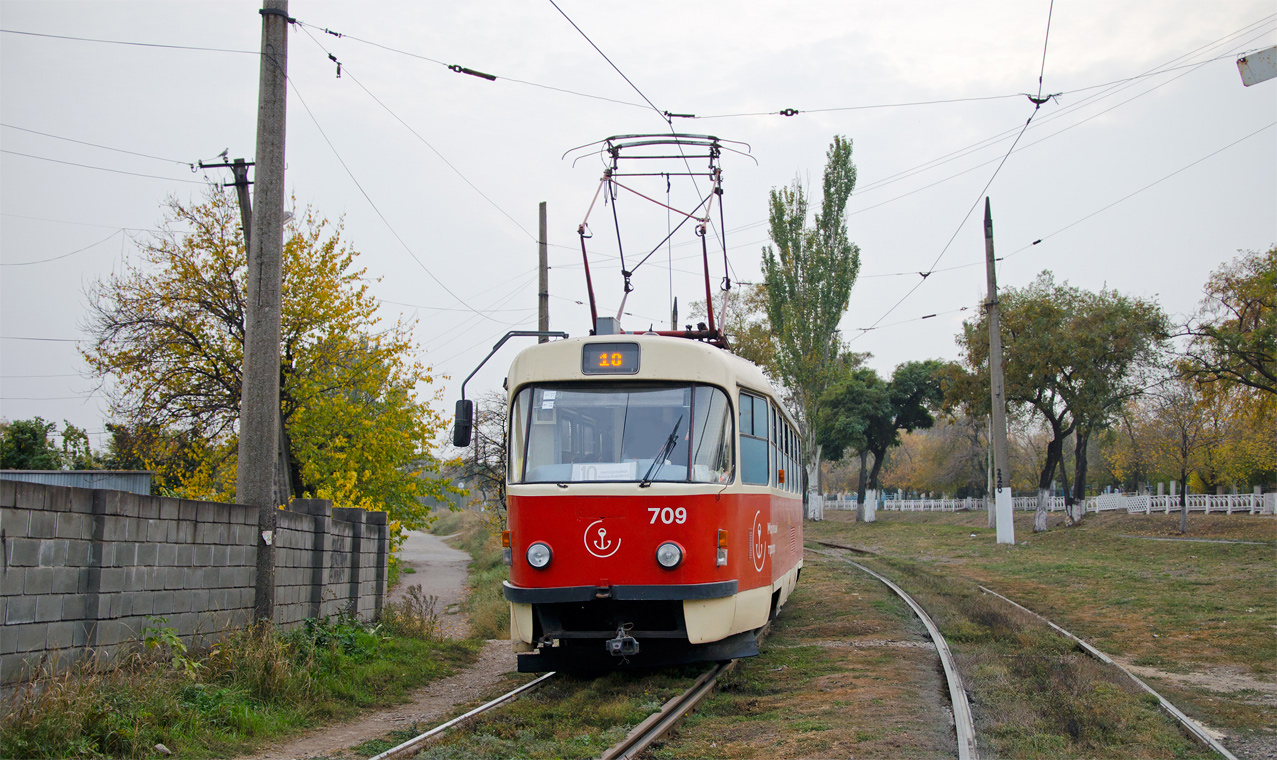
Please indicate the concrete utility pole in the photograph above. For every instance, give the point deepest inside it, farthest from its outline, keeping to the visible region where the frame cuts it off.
(259, 401)
(1003, 503)
(239, 168)
(543, 278)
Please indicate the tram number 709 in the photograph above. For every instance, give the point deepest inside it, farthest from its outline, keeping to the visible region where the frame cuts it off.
(668, 515)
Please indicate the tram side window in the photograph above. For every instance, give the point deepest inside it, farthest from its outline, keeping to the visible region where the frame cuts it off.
(517, 436)
(753, 439)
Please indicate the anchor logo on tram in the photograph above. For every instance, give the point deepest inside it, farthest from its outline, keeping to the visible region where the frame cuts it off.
(597, 542)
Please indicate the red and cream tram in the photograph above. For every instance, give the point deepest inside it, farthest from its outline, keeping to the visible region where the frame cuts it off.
(655, 511)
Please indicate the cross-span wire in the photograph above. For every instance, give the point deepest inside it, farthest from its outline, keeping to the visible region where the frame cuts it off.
(450, 67)
(609, 61)
(1037, 104)
(425, 142)
(377, 210)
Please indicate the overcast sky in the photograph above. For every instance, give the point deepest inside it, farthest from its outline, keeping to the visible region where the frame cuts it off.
(460, 183)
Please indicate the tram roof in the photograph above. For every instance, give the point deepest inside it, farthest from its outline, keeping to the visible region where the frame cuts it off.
(661, 358)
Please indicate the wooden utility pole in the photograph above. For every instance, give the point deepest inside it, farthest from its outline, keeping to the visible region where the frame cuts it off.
(259, 400)
(543, 279)
(1003, 504)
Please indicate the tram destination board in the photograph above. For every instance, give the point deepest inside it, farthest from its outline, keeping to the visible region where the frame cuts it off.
(610, 359)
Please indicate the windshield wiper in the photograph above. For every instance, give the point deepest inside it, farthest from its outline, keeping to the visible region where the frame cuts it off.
(666, 448)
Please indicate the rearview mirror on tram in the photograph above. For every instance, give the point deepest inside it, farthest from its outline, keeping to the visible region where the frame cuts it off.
(464, 423)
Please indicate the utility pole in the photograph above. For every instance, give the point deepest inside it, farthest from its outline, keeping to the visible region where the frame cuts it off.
(543, 279)
(239, 168)
(1003, 503)
(259, 401)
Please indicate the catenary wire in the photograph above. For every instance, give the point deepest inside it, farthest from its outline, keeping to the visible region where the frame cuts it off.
(609, 61)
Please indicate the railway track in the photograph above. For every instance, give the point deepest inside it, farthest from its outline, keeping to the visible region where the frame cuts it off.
(963, 722)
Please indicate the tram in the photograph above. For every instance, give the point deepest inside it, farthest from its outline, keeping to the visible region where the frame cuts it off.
(655, 513)
(653, 494)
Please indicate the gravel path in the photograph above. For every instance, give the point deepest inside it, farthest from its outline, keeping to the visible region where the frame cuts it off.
(441, 572)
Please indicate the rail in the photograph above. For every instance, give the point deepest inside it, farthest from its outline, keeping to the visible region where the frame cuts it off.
(1244, 503)
(963, 722)
(1191, 725)
(415, 744)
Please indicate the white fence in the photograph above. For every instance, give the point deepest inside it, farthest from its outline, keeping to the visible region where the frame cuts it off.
(1243, 503)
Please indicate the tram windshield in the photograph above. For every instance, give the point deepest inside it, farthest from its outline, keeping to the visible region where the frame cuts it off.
(620, 432)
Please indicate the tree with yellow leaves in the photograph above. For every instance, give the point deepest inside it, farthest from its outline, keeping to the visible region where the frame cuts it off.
(169, 332)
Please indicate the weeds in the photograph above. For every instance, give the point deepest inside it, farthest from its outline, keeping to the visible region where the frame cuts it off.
(412, 617)
(255, 683)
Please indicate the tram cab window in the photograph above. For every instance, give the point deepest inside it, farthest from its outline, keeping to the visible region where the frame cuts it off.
(753, 439)
(621, 432)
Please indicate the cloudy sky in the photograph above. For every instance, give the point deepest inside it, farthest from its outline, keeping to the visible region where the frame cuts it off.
(1153, 166)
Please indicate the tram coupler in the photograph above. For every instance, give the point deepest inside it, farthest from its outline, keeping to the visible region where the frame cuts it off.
(622, 645)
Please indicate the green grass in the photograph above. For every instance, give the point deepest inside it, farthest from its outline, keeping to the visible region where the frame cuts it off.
(256, 684)
(1176, 606)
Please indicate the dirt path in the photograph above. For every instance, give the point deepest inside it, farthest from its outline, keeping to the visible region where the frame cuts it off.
(441, 572)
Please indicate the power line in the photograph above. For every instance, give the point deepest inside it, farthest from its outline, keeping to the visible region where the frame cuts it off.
(51, 340)
(95, 145)
(63, 256)
(81, 224)
(100, 168)
(133, 44)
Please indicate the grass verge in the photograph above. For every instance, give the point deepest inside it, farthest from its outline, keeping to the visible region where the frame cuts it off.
(1183, 607)
(256, 684)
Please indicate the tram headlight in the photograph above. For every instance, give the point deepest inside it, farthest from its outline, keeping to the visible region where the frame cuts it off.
(539, 555)
(669, 555)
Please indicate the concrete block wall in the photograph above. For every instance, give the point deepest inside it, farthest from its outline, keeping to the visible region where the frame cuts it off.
(84, 569)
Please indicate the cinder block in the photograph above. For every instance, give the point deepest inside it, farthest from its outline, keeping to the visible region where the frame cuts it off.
(16, 521)
(30, 496)
(183, 554)
(67, 580)
(122, 605)
(81, 500)
(80, 633)
(124, 554)
(167, 555)
(74, 606)
(135, 530)
(169, 508)
(175, 578)
(115, 528)
(60, 635)
(78, 553)
(112, 580)
(31, 637)
(53, 551)
(39, 580)
(14, 667)
(101, 606)
(147, 555)
(163, 602)
(185, 532)
(187, 511)
(148, 507)
(25, 552)
(156, 531)
(202, 554)
(8, 494)
(199, 599)
(69, 525)
(129, 504)
(48, 608)
(11, 581)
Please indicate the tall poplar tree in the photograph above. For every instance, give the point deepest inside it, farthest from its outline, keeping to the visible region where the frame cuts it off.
(809, 272)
